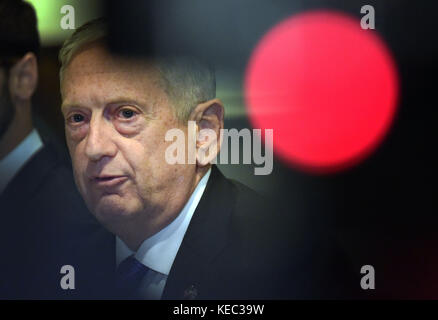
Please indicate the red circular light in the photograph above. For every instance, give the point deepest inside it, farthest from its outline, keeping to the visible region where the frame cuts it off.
(326, 86)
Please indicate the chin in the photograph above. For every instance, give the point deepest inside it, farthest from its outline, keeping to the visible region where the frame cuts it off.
(114, 209)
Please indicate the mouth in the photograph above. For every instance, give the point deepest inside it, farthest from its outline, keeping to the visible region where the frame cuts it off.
(109, 181)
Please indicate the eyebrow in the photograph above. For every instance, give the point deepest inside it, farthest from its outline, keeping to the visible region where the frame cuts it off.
(146, 107)
(68, 106)
(121, 101)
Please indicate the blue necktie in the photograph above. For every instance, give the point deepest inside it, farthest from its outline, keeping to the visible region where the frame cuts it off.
(129, 274)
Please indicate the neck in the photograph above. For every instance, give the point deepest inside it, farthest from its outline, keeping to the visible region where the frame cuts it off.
(17, 131)
(134, 233)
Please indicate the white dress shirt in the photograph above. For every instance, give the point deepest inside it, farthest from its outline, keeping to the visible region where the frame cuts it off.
(17, 158)
(159, 251)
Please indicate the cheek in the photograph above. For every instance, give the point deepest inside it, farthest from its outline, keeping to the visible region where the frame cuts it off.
(72, 150)
(145, 155)
(78, 159)
(78, 170)
(134, 152)
(75, 134)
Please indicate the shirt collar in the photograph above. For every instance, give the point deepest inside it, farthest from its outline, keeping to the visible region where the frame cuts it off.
(159, 251)
(16, 159)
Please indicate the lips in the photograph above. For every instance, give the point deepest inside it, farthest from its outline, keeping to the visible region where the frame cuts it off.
(108, 181)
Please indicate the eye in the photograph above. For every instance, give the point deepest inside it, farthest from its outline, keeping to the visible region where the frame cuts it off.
(76, 118)
(126, 113)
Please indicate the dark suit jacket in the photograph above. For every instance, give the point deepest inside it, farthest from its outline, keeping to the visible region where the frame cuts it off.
(240, 246)
(44, 225)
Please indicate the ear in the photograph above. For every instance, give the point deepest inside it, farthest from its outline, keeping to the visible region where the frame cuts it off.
(23, 78)
(209, 117)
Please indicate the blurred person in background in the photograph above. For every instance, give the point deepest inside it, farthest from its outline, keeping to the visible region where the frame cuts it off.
(44, 223)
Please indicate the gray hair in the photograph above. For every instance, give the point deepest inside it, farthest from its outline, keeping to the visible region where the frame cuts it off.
(186, 80)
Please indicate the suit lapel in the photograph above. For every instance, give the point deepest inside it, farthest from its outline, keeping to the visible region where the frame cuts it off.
(30, 176)
(206, 237)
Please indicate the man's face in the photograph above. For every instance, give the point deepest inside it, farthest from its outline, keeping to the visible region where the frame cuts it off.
(7, 110)
(117, 116)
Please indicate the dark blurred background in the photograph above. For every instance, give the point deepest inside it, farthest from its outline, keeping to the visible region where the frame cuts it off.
(383, 210)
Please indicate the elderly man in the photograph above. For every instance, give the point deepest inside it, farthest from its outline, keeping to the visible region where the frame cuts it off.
(183, 231)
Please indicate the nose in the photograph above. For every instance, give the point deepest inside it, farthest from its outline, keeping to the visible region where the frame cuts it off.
(99, 143)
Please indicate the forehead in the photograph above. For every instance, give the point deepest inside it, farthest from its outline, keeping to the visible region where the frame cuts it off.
(96, 72)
